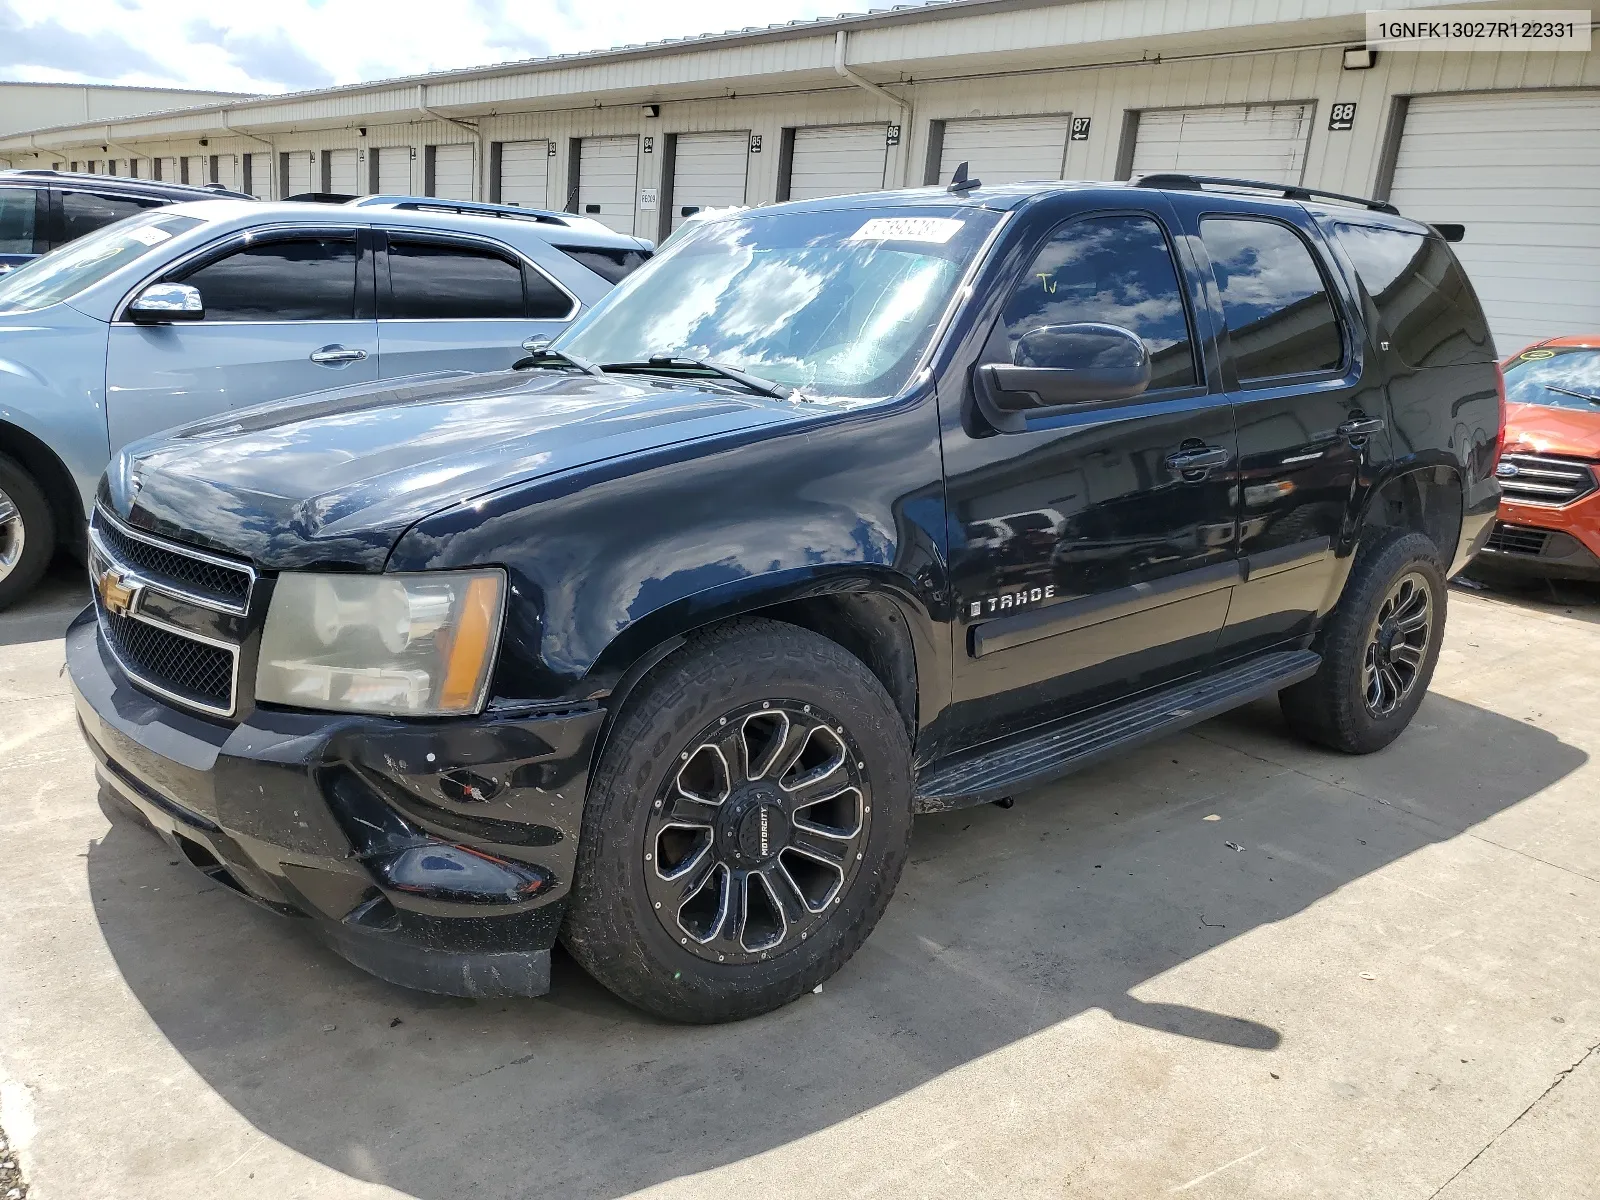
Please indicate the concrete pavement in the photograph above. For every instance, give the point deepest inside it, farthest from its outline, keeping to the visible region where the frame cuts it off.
(1392, 990)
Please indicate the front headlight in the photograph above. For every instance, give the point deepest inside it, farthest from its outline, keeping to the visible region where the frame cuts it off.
(409, 645)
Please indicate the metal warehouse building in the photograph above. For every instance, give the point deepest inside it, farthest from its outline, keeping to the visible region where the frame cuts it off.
(1506, 143)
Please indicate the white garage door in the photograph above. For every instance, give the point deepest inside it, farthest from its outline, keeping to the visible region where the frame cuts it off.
(299, 172)
(344, 172)
(195, 171)
(260, 175)
(452, 172)
(708, 171)
(608, 172)
(166, 170)
(1254, 141)
(525, 174)
(394, 170)
(1006, 149)
(836, 160)
(1522, 173)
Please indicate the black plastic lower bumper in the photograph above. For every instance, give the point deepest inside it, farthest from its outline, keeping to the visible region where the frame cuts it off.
(1528, 550)
(436, 855)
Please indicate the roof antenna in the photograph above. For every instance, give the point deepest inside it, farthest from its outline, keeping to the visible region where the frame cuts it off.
(959, 182)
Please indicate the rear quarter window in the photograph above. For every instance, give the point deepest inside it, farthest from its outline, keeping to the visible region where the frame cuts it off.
(1427, 309)
(612, 265)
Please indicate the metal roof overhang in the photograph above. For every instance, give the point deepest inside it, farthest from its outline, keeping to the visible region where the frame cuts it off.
(955, 39)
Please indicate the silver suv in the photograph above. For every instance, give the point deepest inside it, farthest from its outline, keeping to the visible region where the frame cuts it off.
(192, 309)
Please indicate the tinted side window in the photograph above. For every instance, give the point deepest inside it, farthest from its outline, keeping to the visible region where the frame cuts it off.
(18, 209)
(433, 282)
(611, 265)
(1279, 316)
(84, 212)
(1115, 270)
(546, 302)
(302, 279)
(1426, 306)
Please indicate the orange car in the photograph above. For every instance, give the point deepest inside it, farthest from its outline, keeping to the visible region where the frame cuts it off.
(1550, 464)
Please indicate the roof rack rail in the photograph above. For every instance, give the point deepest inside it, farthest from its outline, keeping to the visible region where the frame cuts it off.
(1289, 191)
(469, 208)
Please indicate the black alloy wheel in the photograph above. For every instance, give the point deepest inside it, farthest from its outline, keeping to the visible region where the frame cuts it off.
(758, 832)
(1379, 647)
(745, 825)
(1398, 645)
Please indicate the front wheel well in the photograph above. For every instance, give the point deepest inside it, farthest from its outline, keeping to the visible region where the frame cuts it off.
(1427, 501)
(53, 478)
(868, 626)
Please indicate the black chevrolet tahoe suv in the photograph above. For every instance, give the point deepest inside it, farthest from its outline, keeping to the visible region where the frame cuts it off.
(837, 512)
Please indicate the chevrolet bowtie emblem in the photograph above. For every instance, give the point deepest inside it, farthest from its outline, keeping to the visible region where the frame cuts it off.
(117, 595)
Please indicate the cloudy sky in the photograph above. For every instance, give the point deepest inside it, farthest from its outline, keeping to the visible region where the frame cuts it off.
(287, 45)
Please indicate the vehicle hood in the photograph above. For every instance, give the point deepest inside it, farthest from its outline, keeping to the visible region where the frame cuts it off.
(336, 477)
(1547, 430)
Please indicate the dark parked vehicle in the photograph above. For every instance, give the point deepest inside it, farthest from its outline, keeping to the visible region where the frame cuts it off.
(836, 512)
(41, 209)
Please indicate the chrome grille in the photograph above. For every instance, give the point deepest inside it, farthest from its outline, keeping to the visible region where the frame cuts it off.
(1517, 539)
(196, 673)
(181, 571)
(171, 615)
(1544, 479)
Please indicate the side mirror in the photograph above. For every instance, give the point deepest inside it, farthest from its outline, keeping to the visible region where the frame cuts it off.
(1069, 364)
(537, 344)
(163, 302)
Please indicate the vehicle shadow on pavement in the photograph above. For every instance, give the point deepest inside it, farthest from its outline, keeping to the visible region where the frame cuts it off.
(62, 594)
(1571, 598)
(1007, 923)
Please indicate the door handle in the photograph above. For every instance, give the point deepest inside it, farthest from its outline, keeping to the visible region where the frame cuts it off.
(1192, 464)
(1360, 427)
(337, 356)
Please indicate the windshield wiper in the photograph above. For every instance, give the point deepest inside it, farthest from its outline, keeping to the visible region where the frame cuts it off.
(549, 357)
(1550, 387)
(670, 362)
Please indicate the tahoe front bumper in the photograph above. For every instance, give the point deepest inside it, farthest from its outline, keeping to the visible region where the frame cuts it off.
(435, 854)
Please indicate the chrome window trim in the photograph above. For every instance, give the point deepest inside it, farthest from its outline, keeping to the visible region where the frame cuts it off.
(241, 609)
(296, 323)
(472, 320)
(446, 236)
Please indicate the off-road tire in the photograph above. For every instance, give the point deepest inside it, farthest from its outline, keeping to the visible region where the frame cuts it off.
(39, 531)
(1331, 708)
(610, 927)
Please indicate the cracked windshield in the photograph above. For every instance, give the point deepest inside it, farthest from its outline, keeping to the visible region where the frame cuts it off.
(835, 304)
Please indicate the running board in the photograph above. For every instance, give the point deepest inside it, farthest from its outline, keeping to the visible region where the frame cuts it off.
(1042, 754)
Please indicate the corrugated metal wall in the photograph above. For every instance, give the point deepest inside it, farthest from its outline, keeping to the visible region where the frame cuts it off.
(948, 88)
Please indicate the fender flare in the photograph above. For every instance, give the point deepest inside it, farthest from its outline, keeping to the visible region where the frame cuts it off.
(647, 642)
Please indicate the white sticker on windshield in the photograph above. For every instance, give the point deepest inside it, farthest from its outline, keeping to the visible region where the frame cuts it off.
(907, 229)
(149, 235)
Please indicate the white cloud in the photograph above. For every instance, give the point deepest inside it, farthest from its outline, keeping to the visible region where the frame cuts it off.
(294, 44)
